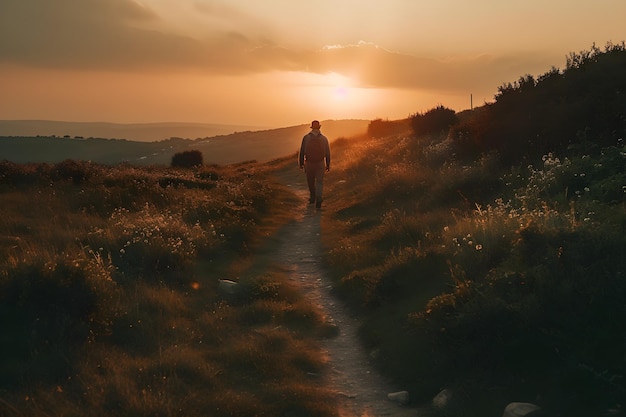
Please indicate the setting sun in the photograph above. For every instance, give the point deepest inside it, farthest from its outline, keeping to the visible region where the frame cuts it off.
(340, 86)
(341, 93)
(270, 64)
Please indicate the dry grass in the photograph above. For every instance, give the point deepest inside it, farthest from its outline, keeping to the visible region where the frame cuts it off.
(140, 251)
(468, 273)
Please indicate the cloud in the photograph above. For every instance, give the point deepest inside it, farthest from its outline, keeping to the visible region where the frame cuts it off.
(218, 10)
(124, 35)
(116, 35)
(374, 66)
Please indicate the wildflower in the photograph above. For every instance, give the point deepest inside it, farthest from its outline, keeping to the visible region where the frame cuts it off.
(479, 247)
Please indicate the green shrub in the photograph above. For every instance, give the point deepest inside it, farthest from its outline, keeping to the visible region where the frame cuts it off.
(379, 128)
(77, 172)
(187, 159)
(578, 106)
(434, 121)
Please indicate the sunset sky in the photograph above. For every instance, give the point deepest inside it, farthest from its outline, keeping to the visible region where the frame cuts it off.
(276, 63)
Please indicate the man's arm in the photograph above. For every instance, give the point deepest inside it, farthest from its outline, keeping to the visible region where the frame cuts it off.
(301, 154)
(327, 152)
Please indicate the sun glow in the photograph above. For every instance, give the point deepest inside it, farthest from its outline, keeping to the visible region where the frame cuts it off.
(341, 93)
(340, 86)
(335, 96)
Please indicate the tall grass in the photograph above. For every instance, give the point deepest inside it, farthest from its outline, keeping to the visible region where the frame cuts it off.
(502, 282)
(109, 301)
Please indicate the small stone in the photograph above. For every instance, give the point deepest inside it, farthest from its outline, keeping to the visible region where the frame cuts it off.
(400, 397)
(521, 410)
(227, 287)
(443, 399)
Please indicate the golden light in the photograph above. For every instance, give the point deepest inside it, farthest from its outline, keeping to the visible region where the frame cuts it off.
(340, 86)
(320, 96)
(341, 93)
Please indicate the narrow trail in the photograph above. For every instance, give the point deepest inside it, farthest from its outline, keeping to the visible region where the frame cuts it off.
(361, 391)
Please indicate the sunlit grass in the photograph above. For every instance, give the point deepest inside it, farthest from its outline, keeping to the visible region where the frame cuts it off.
(108, 276)
(465, 273)
(486, 271)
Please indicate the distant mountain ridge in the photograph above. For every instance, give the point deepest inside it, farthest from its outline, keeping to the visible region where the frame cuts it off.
(142, 132)
(263, 145)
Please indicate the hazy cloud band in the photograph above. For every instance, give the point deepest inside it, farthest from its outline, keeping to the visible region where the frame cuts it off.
(122, 35)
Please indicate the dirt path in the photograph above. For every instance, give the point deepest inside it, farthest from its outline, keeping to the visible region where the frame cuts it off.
(361, 390)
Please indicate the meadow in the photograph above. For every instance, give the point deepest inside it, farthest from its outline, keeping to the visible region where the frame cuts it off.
(483, 251)
(502, 285)
(109, 295)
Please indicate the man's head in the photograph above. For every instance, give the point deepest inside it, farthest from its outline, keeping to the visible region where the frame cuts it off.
(315, 124)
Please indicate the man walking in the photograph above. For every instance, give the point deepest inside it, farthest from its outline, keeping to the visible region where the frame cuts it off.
(315, 159)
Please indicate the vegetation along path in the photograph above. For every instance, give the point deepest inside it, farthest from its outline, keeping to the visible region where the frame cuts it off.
(361, 390)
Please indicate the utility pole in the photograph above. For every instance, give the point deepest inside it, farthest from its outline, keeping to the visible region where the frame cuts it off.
(471, 102)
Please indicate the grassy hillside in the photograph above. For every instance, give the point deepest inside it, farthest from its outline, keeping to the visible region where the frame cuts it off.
(139, 132)
(263, 146)
(110, 301)
(483, 250)
(488, 261)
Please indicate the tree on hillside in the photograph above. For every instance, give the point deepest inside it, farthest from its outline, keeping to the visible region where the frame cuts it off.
(581, 106)
(378, 128)
(187, 159)
(437, 120)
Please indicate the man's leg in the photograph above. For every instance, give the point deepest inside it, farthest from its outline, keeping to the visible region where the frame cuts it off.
(310, 179)
(319, 184)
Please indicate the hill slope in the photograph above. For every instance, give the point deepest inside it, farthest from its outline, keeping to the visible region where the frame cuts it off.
(225, 149)
(141, 132)
(489, 258)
